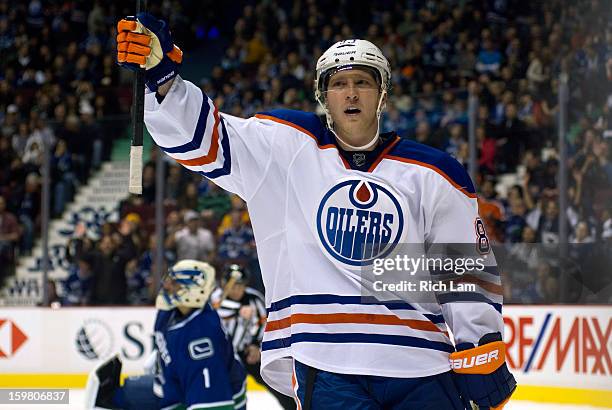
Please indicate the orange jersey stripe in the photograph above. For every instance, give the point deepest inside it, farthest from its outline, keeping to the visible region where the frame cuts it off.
(292, 125)
(212, 152)
(488, 286)
(433, 168)
(295, 387)
(383, 153)
(360, 318)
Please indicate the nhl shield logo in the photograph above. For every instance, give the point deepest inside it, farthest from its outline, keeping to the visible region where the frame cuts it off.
(358, 221)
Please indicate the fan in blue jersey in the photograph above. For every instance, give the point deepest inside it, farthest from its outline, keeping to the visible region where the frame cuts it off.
(196, 367)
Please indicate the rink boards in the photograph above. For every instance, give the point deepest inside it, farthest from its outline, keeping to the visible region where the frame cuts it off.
(558, 354)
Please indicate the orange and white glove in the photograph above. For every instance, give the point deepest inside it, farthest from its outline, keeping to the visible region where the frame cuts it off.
(145, 42)
(481, 373)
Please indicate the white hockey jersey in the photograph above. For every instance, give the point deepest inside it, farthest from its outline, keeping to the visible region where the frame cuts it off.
(311, 213)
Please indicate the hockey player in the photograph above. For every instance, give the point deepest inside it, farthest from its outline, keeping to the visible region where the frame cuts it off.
(243, 312)
(195, 363)
(326, 200)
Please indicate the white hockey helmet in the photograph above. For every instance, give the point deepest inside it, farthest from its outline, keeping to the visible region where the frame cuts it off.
(347, 54)
(188, 283)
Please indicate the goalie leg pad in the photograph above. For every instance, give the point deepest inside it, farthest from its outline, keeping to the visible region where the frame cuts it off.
(102, 383)
(137, 393)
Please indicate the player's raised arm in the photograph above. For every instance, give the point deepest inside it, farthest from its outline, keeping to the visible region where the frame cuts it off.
(183, 121)
(474, 316)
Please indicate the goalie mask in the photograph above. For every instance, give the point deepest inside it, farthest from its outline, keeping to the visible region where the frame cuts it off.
(352, 54)
(188, 283)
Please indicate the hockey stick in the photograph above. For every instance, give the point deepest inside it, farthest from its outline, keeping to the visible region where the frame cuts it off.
(229, 285)
(135, 184)
(226, 289)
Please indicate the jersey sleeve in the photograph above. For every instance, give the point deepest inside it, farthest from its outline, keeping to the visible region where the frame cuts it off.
(231, 151)
(454, 220)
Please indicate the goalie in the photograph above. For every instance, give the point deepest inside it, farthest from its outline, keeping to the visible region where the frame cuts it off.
(195, 363)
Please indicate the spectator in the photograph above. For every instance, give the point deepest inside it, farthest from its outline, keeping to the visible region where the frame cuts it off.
(526, 254)
(114, 252)
(10, 122)
(9, 236)
(77, 287)
(537, 73)
(582, 234)
(20, 138)
(175, 185)
(64, 177)
(511, 139)
(96, 137)
(455, 139)
(29, 211)
(539, 291)
(491, 211)
(148, 183)
(190, 198)
(138, 282)
(237, 205)
(488, 152)
(237, 243)
(548, 225)
(515, 221)
(489, 58)
(193, 241)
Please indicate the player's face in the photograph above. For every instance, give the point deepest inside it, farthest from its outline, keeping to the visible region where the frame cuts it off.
(352, 99)
(237, 291)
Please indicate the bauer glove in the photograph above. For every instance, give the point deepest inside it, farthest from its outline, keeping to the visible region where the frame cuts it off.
(481, 372)
(145, 42)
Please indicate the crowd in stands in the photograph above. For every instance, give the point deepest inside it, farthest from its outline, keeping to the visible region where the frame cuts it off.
(59, 93)
(203, 222)
(510, 54)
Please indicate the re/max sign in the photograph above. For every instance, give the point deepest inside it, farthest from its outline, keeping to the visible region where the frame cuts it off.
(577, 343)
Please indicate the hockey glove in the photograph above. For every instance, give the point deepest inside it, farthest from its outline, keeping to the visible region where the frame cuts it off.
(481, 372)
(145, 42)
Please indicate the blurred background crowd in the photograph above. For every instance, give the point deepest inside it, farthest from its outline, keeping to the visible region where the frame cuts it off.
(60, 86)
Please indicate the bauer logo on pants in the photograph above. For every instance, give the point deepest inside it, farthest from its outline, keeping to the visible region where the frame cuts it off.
(359, 221)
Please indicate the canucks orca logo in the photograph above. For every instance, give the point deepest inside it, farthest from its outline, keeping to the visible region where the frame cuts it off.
(359, 221)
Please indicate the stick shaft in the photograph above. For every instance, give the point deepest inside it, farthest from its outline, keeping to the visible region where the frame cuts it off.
(135, 186)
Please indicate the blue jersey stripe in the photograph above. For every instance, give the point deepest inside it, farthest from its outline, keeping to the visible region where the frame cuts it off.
(226, 169)
(198, 135)
(327, 299)
(307, 120)
(412, 150)
(395, 340)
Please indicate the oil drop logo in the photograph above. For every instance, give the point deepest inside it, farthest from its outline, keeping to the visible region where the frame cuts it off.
(358, 221)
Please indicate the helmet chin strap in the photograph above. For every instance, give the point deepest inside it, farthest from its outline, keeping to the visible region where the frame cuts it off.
(374, 141)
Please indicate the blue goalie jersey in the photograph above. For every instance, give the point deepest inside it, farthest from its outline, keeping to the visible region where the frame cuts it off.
(196, 365)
